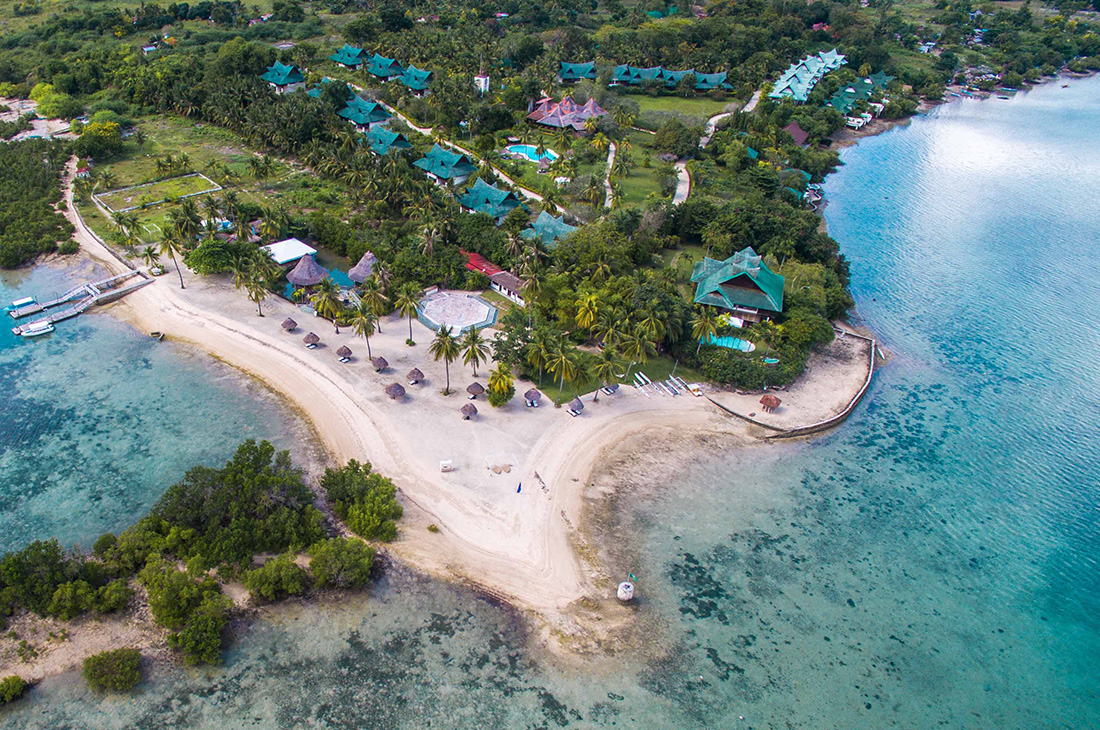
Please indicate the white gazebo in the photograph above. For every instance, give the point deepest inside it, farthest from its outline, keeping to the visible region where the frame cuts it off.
(288, 251)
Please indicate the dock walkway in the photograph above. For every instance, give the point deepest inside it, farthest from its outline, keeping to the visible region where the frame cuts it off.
(78, 299)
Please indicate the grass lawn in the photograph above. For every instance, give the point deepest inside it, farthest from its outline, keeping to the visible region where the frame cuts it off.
(158, 192)
(501, 303)
(642, 180)
(699, 106)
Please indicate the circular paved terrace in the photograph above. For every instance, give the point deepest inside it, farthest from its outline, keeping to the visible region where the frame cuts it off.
(458, 310)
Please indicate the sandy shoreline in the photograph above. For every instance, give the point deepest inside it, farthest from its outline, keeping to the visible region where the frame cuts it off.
(529, 547)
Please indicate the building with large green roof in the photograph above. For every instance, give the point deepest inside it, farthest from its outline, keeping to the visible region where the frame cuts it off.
(349, 56)
(481, 197)
(445, 166)
(801, 77)
(382, 141)
(548, 230)
(365, 115)
(742, 284)
(384, 68)
(571, 72)
(709, 82)
(416, 79)
(283, 78)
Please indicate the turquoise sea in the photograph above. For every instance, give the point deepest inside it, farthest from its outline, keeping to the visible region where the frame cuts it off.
(97, 420)
(932, 563)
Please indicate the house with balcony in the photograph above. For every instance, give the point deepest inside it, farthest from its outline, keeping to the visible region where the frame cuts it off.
(743, 285)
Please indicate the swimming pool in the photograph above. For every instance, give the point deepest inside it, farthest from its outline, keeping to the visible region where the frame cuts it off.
(732, 343)
(531, 152)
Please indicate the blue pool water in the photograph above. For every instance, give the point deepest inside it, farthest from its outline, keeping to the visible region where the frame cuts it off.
(732, 343)
(931, 563)
(531, 152)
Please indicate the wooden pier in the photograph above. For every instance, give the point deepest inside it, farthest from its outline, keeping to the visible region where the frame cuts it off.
(78, 299)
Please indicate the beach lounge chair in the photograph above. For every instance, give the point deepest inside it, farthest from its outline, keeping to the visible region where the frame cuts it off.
(311, 346)
(572, 413)
(345, 359)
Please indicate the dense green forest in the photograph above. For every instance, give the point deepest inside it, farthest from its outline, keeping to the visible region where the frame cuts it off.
(621, 281)
(208, 528)
(30, 174)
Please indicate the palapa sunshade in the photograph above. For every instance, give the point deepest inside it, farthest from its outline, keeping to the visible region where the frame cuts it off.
(415, 375)
(344, 351)
(380, 363)
(532, 394)
(307, 273)
(311, 339)
(363, 270)
(770, 402)
(475, 389)
(576, 404)
(289, 324)
(395, 391)
(469, 410)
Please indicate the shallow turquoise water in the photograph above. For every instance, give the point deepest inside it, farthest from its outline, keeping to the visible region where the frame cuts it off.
(99, 419)
(932, 563)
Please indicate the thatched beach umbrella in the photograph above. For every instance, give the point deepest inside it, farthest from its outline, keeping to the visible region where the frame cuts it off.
(468, 411)
(769, 403)
(415, 376)
(532, 395)
(289, 324)
(344, 351)
(380, 363)
(475, 389)
(576, 404)
(395, 391)
(307, 273)
(311, 339)
(363, 270)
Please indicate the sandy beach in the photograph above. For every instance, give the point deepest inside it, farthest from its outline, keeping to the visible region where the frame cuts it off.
(516, 543)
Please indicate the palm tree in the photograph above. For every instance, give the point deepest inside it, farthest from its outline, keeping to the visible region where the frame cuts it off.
(407, 299)
(563, 362)
(150, 256)
(363, 321)
(326, 300)
(171, 246)
(607, 329)
(637, 346)
(538, 351)
(605, 369)
(445, 347)
(704, 326)
(500, 380)
(371, 292)
(587, 306)
(767, 333)
(474, 349)
(256, 285)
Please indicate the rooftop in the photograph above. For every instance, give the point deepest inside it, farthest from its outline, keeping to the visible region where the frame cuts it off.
(284, 252)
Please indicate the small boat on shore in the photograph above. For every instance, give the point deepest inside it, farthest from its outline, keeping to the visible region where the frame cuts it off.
(24, 302)
(157, 335)
(36, 329)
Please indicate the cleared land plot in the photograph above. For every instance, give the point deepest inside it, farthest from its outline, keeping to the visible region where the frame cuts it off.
(700, 106)
(142, 196)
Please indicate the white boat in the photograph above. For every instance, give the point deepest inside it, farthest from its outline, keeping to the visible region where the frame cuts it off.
(34, 329)
(25, 301)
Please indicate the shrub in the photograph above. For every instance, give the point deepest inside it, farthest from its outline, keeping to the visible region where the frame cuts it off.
(173, 596)
(103, 545)
(112, 597)
(116, 670)
(68, 248)
(498, 398)
(201, 638)
(341, 563)
(71, 599)
(366, 501)
(35, 573)
(278, 578)
(12, 688)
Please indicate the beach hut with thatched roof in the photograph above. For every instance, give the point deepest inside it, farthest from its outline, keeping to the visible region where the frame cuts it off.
(344, 353)
(475, 389)
(364, 269)
(311, 340)
(769, 403)
(468, 411)
(289, 324)
(415, 376)
(575, 405)
(532, 396)
(395, 391)
(380, 363)
(306, 273)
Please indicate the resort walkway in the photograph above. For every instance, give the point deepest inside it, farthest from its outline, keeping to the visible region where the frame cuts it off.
(429, 132)
(609, 196)
(683, 184)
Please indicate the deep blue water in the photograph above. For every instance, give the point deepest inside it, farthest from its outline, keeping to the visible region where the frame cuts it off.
(931, 563)
(99, 419)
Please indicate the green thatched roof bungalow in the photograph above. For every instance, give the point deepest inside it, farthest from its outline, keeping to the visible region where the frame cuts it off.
(283, 78)
(349, 56)
(382, 141)
(481, 197)
(548, 230)
(445, 166)
(742, 284)
(572, 72)
(384, 68)
(365, 115)
(416, 79)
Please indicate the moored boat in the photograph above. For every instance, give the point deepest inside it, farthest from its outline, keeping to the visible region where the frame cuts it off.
(36, 329)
